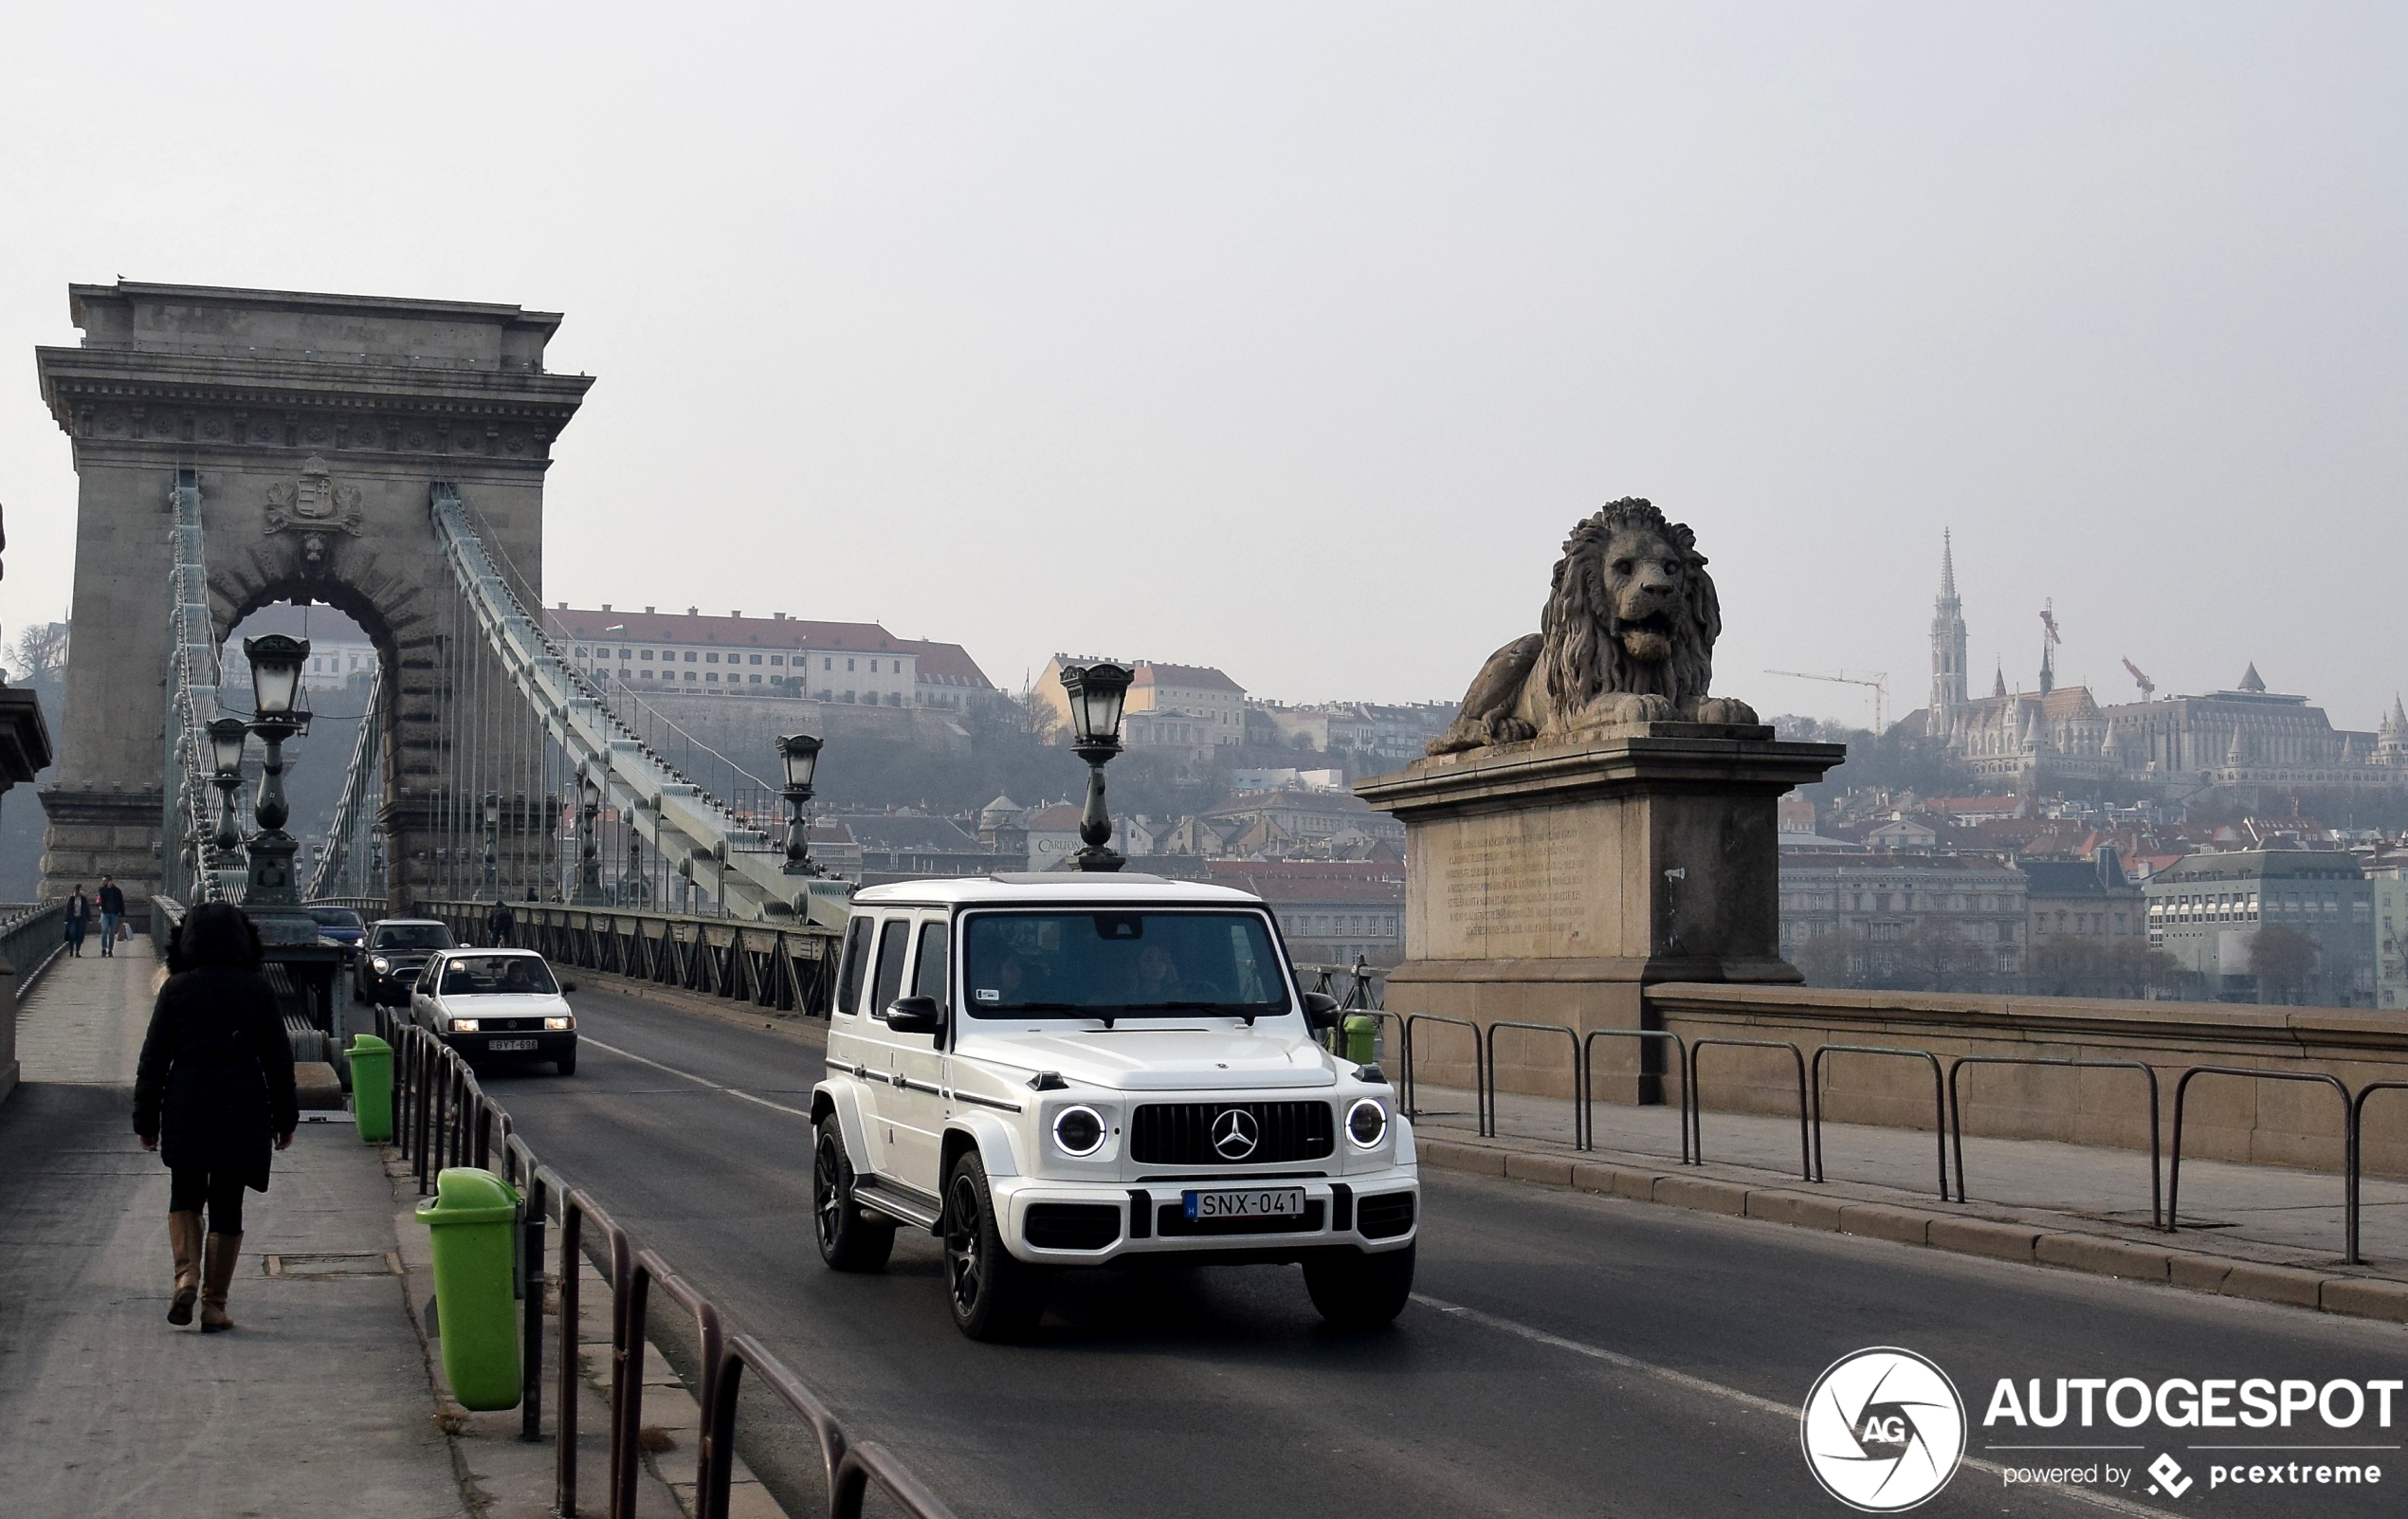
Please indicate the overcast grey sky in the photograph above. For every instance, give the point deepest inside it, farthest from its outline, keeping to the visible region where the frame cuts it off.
(1292, 339)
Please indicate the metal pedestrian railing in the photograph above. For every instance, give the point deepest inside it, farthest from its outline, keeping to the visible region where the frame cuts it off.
(1579, 1088)
(442, 1115)
(1589, 1082)
(1411, 1095)
(1947, 1103)
(32, 937)
(783, 967)
(1805, 1107)
(1939, 1099)
(1957, 1113)
(2349, 1144)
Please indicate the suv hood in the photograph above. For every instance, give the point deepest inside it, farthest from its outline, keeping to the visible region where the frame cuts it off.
(1136, 1058)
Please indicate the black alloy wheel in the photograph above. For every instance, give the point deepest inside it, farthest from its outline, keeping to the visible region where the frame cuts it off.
(1357, 1290)
(849, 1238)
(992, 1294)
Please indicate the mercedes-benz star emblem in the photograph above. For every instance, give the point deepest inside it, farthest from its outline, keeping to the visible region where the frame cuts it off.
(1234, 1134)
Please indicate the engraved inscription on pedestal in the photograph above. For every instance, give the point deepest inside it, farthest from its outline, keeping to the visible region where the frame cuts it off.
(1515, 886)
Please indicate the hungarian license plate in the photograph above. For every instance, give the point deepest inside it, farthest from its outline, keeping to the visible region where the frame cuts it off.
(1253, 1202)
(507, 1045)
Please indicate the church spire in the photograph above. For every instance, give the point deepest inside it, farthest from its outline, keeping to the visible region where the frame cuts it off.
(1947, 647)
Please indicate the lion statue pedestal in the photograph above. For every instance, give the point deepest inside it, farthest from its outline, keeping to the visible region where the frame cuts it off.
(1561, 855)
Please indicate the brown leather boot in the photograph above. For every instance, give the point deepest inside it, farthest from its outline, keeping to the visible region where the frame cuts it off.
(217, 1274)
(184, 1238)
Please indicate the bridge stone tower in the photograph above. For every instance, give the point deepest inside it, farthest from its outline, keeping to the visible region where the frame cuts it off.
(317, 425)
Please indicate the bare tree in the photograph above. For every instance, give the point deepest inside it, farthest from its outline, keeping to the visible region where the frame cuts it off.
(1938, 955)
(40, 654)
(2282, 958)
(1824, 961)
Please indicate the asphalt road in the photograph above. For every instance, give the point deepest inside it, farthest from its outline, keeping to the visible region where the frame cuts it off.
(1567, 1354)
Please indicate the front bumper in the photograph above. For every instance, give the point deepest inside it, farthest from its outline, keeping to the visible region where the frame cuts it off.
(547, 1046)
(1150, 1218)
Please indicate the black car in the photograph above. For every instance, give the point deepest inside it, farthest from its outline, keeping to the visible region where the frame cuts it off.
(389, 959)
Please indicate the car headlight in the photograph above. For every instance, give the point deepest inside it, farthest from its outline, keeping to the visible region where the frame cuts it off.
(464, 1025)
(560, 1023)
(1078, 1131)
(1367, 1123)
(380, 965)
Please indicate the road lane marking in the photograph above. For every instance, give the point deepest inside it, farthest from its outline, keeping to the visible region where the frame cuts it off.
(699, 1081)
(1715, 1389)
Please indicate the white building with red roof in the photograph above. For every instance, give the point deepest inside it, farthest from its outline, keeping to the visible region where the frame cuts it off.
(692, 654)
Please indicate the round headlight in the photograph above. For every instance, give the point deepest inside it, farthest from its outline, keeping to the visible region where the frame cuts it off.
(1367, 1123)
(381, 964)
(1078, 1130)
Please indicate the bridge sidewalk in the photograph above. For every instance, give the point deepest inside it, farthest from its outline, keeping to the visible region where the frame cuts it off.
(318, 1403)
(2251, 1231)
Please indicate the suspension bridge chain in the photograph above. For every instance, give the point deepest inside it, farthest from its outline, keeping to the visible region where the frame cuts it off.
(341, 869)
(199, 871)
(505, 669)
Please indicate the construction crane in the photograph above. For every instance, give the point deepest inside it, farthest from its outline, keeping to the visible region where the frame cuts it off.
(1878, 683)
(2148, 686)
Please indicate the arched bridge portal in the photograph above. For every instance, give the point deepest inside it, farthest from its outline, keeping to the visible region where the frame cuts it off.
(314, 429)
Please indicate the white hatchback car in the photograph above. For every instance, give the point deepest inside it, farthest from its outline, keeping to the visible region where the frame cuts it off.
(1060, 1069)
(497, 1002)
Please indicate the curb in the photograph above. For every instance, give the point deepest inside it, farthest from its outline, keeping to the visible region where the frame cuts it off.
(2365, 1297)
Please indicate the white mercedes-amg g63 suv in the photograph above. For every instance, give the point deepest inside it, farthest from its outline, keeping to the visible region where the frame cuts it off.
(1076, 1070)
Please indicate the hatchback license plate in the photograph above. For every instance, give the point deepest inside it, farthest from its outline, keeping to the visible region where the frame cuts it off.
(1255, 1202)
(504, 1046)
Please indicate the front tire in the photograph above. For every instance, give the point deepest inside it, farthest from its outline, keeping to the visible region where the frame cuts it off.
(1358, 1291)
(992, 1294)
(567, 1064)
(850, 1239)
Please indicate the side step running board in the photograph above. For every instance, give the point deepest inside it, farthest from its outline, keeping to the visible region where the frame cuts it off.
(870, 1195)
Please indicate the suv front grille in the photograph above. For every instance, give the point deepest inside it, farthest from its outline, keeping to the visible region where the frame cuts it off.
(1182, 1133)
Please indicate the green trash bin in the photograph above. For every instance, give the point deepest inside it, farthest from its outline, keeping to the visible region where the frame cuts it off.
(474, 1215)
(372, 1088)
(1362, 1033)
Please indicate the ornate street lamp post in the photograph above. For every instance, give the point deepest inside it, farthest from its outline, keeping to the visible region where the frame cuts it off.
(588, 893)
(275, 670)
(800, 752)
(1096, 692)
(227, 737)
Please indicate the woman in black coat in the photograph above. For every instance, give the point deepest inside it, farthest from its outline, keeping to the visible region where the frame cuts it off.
(213, 1091)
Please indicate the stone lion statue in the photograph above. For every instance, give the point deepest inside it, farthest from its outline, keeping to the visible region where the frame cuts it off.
(1627, 636)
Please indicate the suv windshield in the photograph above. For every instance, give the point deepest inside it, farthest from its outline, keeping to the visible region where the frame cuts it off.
(496, 976)
(413, 935)
(333, 917)
(1117, 964)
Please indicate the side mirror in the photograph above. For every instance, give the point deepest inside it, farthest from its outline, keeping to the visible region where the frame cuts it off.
(566, 987)
(915, 1014)
(1321, 1011)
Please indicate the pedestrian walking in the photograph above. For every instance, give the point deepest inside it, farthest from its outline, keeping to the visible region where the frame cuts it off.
(213, 1091)
(500, 924)
(112, 901)
(78, 917)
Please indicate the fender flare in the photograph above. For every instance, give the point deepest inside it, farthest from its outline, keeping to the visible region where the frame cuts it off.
(998, 1149)
(843, 1098)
